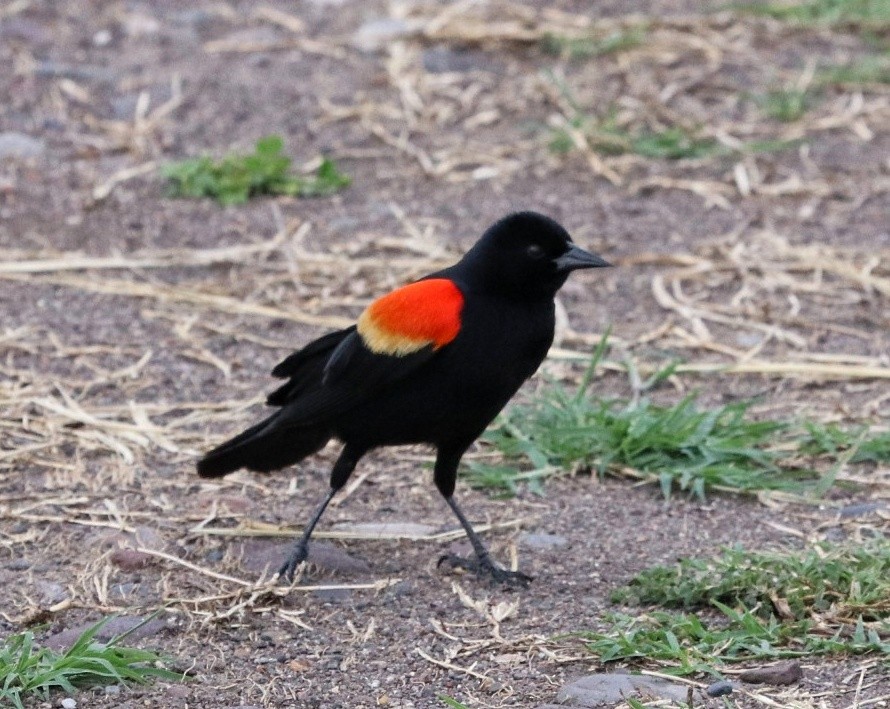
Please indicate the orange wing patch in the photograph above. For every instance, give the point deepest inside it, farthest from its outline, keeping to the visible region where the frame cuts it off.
(412, 317)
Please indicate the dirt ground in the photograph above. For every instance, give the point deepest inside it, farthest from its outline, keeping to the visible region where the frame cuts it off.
(138, 330)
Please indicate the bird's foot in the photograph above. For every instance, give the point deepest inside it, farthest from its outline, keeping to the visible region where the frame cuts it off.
(297, 557)
(481, 566)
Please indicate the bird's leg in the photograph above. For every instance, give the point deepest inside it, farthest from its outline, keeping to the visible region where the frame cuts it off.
(339, 475)
(445, 476)
(301, 546)
(484, 562)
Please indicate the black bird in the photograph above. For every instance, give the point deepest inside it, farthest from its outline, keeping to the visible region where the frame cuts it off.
(431, 362)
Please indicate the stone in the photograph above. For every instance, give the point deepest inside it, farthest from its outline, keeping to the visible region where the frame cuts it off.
(720, 689)
(116, 626)
(785, 672)
(130, 559)
(609, 687)
(261, 555)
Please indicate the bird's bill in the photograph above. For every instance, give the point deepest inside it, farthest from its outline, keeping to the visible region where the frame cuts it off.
(576, 258)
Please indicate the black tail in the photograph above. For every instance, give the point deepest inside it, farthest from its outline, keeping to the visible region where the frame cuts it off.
(264, 448)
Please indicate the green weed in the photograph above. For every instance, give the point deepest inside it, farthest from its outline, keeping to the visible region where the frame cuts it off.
(452, 703)
(236, 178)
(787, 105)
(873, 69)
(575, 48)
(26, 670)
(830, 580)
(683, 446)
(829, 600)
(607, 137)
(689, 645)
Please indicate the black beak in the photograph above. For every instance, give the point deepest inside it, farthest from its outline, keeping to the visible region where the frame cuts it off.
(576, 258)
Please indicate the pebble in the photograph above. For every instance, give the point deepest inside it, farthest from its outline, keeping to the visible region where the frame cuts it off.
(719, 689)
(68, 703)
(785, 672)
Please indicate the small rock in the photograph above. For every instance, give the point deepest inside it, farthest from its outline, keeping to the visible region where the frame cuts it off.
(542, 540)
(19, 565)
(130, 559)
(260, 555)
(116, 626)
(719, 689)
(786, 672)
(112, 689)
(20, 145)
(68, 703)
(858, 510)
(608, 687)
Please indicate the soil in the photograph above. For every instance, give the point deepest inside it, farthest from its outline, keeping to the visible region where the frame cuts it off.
(117, 371)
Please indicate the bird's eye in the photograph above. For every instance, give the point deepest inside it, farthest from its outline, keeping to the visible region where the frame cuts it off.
(534, 251)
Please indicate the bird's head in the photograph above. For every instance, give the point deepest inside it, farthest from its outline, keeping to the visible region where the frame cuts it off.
(526, 255)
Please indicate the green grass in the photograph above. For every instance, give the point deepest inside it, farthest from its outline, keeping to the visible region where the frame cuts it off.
(607, 137)
(452, 703)
(833, 599)
(682, 446)
(236, 178)
(836, 580)
(869, 13)
(27, 670)
(873, 69)
(673, 143)
(686, 644)
(575, 48)
(787, 105)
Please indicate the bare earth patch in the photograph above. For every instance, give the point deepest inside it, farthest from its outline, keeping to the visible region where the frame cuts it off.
(751, 239)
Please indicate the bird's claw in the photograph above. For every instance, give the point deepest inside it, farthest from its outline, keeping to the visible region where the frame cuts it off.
(487, 566)
(289, 567)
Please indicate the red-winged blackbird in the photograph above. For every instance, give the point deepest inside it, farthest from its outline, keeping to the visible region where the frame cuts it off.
(431, 362)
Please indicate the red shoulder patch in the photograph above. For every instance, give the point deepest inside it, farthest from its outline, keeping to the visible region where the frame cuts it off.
(412, 317)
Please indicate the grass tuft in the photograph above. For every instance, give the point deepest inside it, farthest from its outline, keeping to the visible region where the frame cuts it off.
(689, 645)
(838, 581)
(608, 137)
(236, 178)
(873, 69)
(832, 599)
(683, 446)
(787, 105)
(27, 670)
